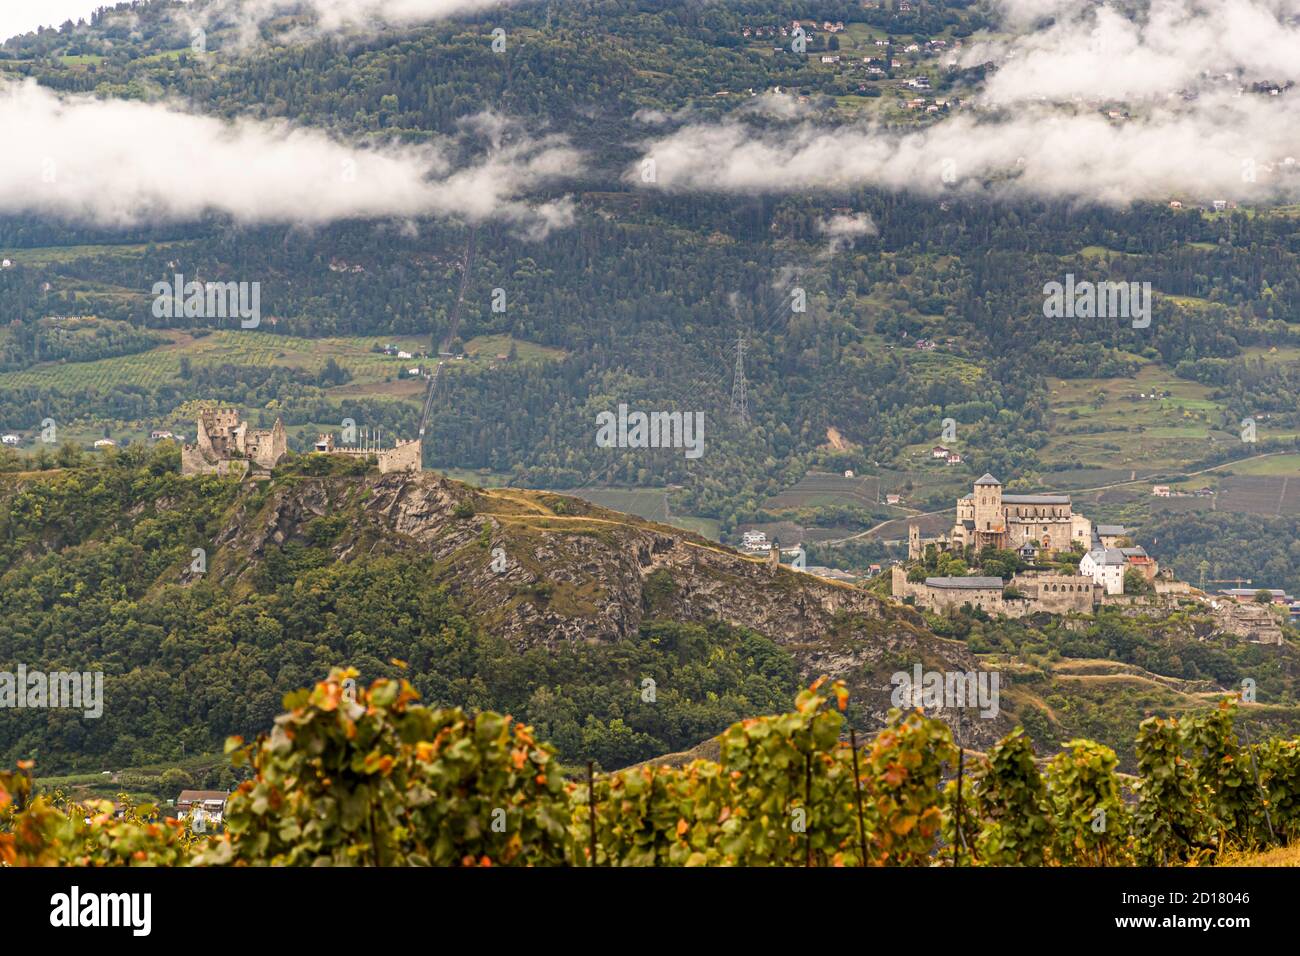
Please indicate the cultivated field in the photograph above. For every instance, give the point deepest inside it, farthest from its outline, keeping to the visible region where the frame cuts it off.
(828, 489)
(1106, 424)
(234, 346)
(1260, 494)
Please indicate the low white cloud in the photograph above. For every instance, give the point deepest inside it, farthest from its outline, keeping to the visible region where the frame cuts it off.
(1102, 51)
(248, 17)
(1217, 147)
(120, 162)
(1187, 123)
(844, 228)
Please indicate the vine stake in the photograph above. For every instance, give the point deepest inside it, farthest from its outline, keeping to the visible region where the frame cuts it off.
(807, 802)
(857, 794)
(1268, 818)
(591, 805)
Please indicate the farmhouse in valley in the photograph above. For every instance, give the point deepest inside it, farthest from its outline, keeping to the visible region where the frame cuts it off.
(208, 806)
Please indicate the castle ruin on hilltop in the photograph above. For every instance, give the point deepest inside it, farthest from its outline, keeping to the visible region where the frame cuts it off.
(225, 445)
(403, 456)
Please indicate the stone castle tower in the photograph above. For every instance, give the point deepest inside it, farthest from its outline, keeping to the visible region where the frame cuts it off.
(989, 520)
(224, 445)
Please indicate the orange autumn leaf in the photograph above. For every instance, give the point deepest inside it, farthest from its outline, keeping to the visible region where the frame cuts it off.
(682, 827)
(903, 825)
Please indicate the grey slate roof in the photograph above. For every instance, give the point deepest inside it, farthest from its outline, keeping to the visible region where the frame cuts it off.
(1112, 529)
(1035, 499)
(1107, 556)
(987, 480)
(965, 582)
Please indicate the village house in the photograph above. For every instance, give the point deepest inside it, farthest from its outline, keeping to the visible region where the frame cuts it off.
(1275, 595)
(206, 805)
(1105, 566)
(1137, 559)
(1108, 535)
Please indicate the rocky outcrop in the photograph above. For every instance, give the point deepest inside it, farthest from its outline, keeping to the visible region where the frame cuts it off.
(541, 569)
(1249, 621)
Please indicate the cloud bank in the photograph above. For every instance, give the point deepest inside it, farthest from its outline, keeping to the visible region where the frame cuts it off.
(1224, 147)
(1038, 127)
(119, 163)
(247, 17)
(1096, 51)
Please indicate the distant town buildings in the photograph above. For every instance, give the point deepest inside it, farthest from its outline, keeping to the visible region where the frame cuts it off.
(1034, 526)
